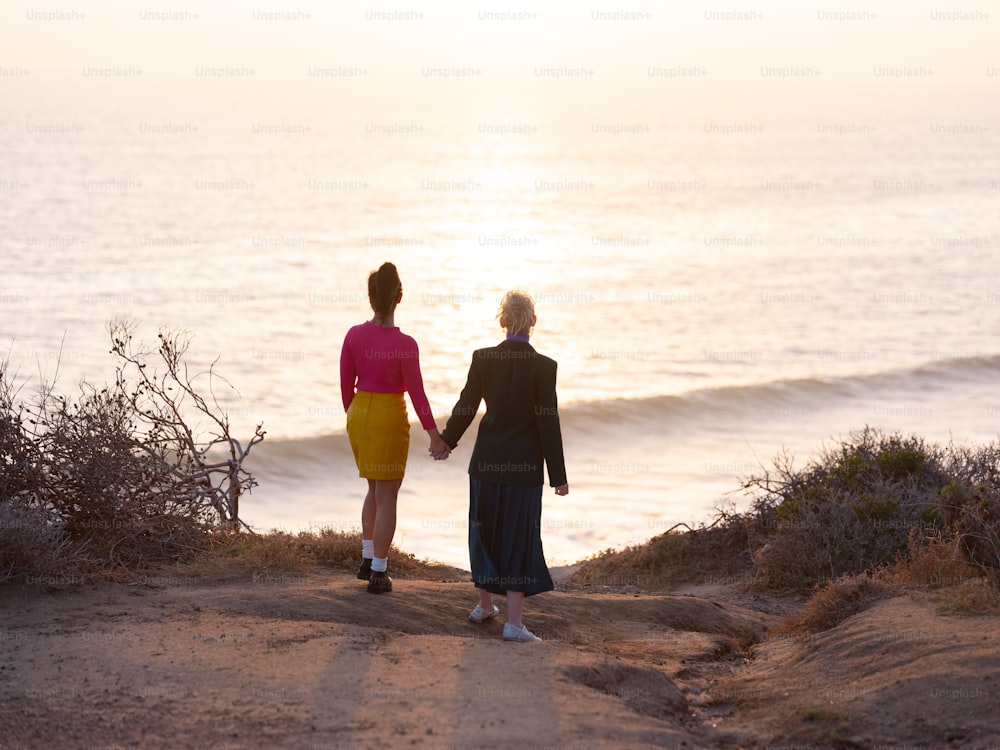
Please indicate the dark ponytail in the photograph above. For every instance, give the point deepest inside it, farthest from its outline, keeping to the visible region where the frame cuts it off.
(384, 287)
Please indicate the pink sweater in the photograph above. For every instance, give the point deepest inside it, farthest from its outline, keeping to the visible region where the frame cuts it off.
(383, 360)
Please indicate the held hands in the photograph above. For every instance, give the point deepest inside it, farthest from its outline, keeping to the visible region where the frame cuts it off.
(439, 448)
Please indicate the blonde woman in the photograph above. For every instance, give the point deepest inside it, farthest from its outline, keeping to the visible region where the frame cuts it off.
(517, 435)
(378, 363)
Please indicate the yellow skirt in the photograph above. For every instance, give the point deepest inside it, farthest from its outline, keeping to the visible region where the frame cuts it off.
(379, 431)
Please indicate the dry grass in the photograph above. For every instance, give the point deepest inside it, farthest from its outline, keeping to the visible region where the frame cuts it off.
(240, 554)
(933, 562)
(940, 564)
(972, 598)
(717, 554)
(930, 561)
(834, 603)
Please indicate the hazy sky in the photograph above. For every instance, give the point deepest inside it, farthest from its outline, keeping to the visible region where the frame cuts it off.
(543, 58)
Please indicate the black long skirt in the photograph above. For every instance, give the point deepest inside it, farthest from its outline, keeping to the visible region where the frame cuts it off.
(505, 539)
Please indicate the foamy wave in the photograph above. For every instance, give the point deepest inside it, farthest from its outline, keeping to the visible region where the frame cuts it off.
(781, 399)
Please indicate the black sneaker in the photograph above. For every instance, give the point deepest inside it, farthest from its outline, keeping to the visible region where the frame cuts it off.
(365, 571)
(379, 583)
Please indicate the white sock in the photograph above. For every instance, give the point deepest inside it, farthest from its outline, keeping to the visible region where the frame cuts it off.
(368, 548)
(379, 564)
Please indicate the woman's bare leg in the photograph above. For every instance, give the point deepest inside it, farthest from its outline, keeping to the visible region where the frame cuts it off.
(386, 492)
(368, 512)
(515, 608)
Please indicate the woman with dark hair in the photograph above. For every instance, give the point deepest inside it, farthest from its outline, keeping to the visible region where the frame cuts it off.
(378, 363)
(519, 432)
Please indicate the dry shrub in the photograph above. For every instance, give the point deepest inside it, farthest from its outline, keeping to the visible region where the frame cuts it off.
(204, 468)
(30, 542)
(100, 487)
(971, 510)
(116, 478)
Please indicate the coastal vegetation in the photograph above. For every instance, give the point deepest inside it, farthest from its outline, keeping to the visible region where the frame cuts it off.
(117, 482)
(873, 511)
(117, 477)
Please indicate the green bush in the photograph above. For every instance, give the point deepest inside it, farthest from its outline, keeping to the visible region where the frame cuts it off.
(864, 503)
(855, 506)
(848, 510)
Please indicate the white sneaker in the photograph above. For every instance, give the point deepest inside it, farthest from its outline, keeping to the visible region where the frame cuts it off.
(480, 615)
(518, 634)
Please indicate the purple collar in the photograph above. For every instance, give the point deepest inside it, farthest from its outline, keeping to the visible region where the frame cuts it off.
(522, 337)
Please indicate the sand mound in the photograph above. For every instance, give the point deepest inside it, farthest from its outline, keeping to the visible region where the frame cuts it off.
(646, 691)
(897, 674)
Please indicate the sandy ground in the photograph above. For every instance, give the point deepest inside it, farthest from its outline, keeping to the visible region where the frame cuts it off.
(314, 661)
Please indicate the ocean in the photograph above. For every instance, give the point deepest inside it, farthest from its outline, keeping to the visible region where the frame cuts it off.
(718, 284)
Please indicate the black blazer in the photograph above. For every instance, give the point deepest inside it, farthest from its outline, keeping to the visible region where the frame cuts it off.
(520, 429)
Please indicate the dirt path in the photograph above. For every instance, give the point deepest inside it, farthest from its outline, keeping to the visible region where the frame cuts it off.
(315, 662)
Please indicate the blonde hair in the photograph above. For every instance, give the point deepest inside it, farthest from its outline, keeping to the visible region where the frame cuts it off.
(517, 311)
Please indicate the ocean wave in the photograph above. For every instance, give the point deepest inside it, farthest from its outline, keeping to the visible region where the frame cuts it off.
(299, 458)
(785, 399)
